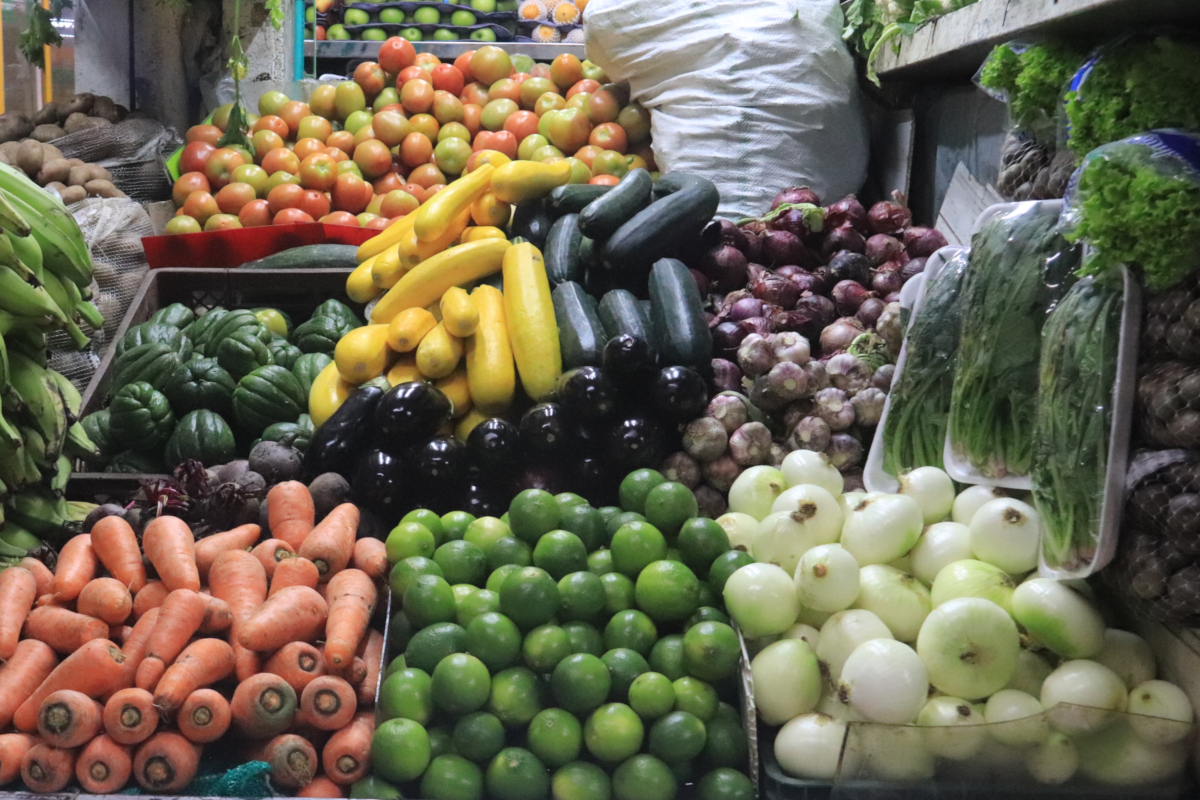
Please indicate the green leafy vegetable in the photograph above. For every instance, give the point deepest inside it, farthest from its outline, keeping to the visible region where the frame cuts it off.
(40, 33)
(238, 127)
(1034, 78)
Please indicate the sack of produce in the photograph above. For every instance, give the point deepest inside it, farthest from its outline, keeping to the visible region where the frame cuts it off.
(721, 89)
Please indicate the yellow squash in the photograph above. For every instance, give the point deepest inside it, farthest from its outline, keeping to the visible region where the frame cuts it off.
(405, 371)
(425, 284)
(493, 157)
(459, 312)
(490, 372)
(408, 328)
(443, 208)
(519, 181)
(413, 251)
(467, 424)
(487, 210)
(362, 354)
(454, 386)
(327, 394)
(386, 238)
(532, 328)
(360, 287)
(439, 353)
(482, 232)
(387, 268)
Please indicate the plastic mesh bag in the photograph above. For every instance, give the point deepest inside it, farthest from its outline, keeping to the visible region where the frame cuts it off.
(133, 150)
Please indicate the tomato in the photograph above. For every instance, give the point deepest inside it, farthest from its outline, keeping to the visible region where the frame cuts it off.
(412, 73)
(609, 136)
(505, 89)
(521, 77)
(339, 218)
(610, 162)
(342, 140)
(500, 141)
(271, 123)
(188, 182)
(364, 134)
(447, 107)
(290, 216)
(255, 213)
(286, 195)
(637, 162)
(426, 124)
(318, 171)
(307, 147)
(605, 180)
(447, 78)
(533, 88)
(427, 60)
(579, 101)
(489, 64)
(347, 166)
(182, 224)
(550, 101)
(485, 156)
(586, 154)
(566, 70)
(220, 166)
(265, 141)
(220, 116)
(234, 196)
(222, 222)
(315, 204)
(454, 130)
(416, 191)
(195, 156)
(280, 178)
(426, 175)
(585, 86)
(496, 112)
(390, 127)
(432, 190)
(540, 70)
(292, 112)
(200, 206)
(365, 218)
(636, 122)
(323, 101)
(463, 65)
(580, 172)
(390, 96)
(374, 158)
(315, 127)
(415, 150)
(204, 133)
(281, 160)
(388, 183)
(417, 96)
(601, 107)
(397, 203)
(471, 118)
(568, 130)
(475, 93)
(521, 124)
(369, 75)
(547, 154)
(378, 224)
(339, 156)
(351, 193)
(396, 53)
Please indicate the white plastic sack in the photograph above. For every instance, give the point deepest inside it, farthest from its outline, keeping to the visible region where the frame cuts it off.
(753, 96)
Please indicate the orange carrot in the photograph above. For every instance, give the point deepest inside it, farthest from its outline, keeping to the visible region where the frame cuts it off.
(117, 548)
(178, 619)
(370, 555)
(352, 597)
(371, 649)
(47, 769)
(134, 647)
(353, 673)
(151, 596)
(263, 706)
(204, 716)
(218, 616)
(297, 663)
(347, 755)
(31, 663)
(331, 543)
(208, 548)
(130, 716)
(18, 590)
(201, 664)
(106, 599)
(41, 573)
(94, 669)
(294, 571)
(271, 553)
(321, 786)
(328, 703)
(104, 766)
(239, 579)
(119, 633)
(77, 565)
(166, 762)
(13, 747)
(292, 758)
(294, 614)
(69, 719)
(290, 512)
(65, 631)
(171, 548)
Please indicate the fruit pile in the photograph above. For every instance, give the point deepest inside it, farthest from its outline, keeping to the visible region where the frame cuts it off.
(550, 21)
(372, 149)
(563, 650)
(71, 178)
(480, 21)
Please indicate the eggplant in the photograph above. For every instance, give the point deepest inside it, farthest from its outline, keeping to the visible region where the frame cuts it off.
(442, 461)
(494, 444)
(544, 429)
(628, 360)
(384, 483)
(586, 393)
(636, 442)
(681, 392)
(532, 222)
(478, 497)
(341, 438)
(409, 414)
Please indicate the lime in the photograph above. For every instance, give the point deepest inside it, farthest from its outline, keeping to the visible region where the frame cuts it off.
(711, 651)
(529, 597)
(441, 743)
(494, 639)
(409, 539)
(724, 783)
(586, 523)
(726, 715)
(668, 505)
(504, 518)
(461, 592)
(400, 630)
(454, 525)
(398, 663)
(635, 546)
(544, 647)
(613, 524)
(429, 600)
(555, 737)
(496, 579)
(407, 694)
(636, 486)
(624, 665)
(651, 695)
(567, 500)
(632, 629)
(618, 592)
(462, 562)
(406, 571)
(560, 553)
(516, 696)
(683, 771)
(725, 565)
(509, 550)
(678, 736)
(430, 645)
(581, 596)
(478, 602)
(431, 521)
(644, 778)
(600, 561)
(613, 732)
(400, 750)
(461, 684)
(666, 591)
(700, 541)
(608, 512)
(667, 657)
(486, 531)
(452, 778)
(725, 743)
(373, 787)
(478, 736)
(695, 697)
(578, 780)
(705, 596)
(584, 638)
(517, 774)
(706, 614)
(532, 513)
(580, 683)
(673, 555)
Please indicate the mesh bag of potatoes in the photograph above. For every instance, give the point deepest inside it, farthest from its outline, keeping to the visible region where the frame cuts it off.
(72, 178)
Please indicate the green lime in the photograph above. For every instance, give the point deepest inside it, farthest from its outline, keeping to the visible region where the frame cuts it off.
(584, 638)
(400, 750)
(373, 787)
(454, 524)
(429, 600)
(407, 694)
(705, 596)
(544, 647)
(486, 531)
(461, 592)
(586, 523)
(678, 736)
(613, 733)
(441, 743)
(666, 591)
(618, 592)
(644, 778)
(567, 500)
(555, 737)
(504, 518)
(517, 774)
(624, 665)
(431, 521)
(478, 736)
(478, 602)
(406, 571)
(581, 596)
(667, 657)
(496, 579)
(461, 684)
(608, 512)
(683, 771)
(724, 783)
(725, 565)
(700, 541)
(462, 562)
(695, 697)
(452, 778)
(600, 561)
(516, 696)
(726, 715)
(430, 645)
(651, 695)
(400, 630)
(409, 539)
(580, 683)
(635, 546)
(560, 553)
(711, 651)
(636, 486)
(509, 550)
(725, 743)
(614, 523)
(705, 614)
(494, 639)
(529, 597)
(398, 663)
(532, 513)
(578, 780)
(632, 629)
(673, 555)
(668, 505)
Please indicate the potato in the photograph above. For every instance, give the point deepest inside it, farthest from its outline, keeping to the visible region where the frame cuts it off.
(14, 127)
(73, 194)
(99, 173)
(48, 115)
(78, 176)
(54, 171)
(29, 157)
(79, 104)
(101, 188)
(105, 275)
(57, 186)
(47, 133)
(51, 152)
(105, 108)
(75, 122)
(76, 162)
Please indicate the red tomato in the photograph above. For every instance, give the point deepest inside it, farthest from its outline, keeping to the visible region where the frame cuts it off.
(388, 183)
(342, 140)
(283, 196)
(318, 171)
(233, 197)
(378, 224)
(521, 124)
(413, 73)
(374, 158)
(220, 166)
(471, 118)
(195, 156)
(447, 78)
(255, 213)
(417, 96)
(339, 218)
(292, 112)
(281, 160)
(609, 136)
(314, 203)
(289, 216)
(427, 175)
(605, 180)
(307, 147)
(415, 150)
(189, 182)
(351, 193)
(463, 65)
(501, 141)
(271, 123)
(200, 206)
(427, 60)
(587, 153)
(586, 85)
(475, 93)
(369, 75)
(204, 133)
(396, 53)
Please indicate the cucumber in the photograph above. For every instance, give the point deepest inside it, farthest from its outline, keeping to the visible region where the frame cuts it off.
(665, 226)
(597, 281)
(621, 313)
(613, 209)
(311, 256)
(581, 335)
(589, 252)
(672, 182)
(574, 197)
(531, 222)
(677, 313)
(562, 251)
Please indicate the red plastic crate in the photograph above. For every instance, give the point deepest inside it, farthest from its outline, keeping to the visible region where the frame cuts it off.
(229, 249)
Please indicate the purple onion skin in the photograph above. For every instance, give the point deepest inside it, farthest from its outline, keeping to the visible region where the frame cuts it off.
(889, 218)
(912, 268)
(843, 238)
(792, 221)
(807, 282)
(755, 272)
(838, 336)
(847, 211)
(781, 247)
(893, 297)
(760, 325)
(923, 242)
(733, 235)
(820, 308)
(754, 245)
(701, 280)
(849, 296)
(777, 291)
(795, 194)
(787, 270)
(727, 377)
(884, 283)
(848, 266)
(881, 248)
(727, 336)
(745, 308)
(726, 267)
(868, 313)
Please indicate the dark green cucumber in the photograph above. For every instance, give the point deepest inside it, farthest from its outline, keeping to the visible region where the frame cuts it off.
(531, 222)
(562, 251)
(574, 197)
(613, 209)
(677, 312)
(662, 228)
(621, 313)
(589, 252)
(672, 182)
(581, 335)
(311, 256)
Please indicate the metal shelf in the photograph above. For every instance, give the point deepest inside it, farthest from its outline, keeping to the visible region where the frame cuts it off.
(359, 49)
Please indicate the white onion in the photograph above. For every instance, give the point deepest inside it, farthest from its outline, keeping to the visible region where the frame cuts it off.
(1006, 533)
(755, 490)
(805, 633)
(843, 633)
(894, 753)
(816, 505)
(1015, 718)
(897, 598)
(759, 643)
(761, 598)
(787, 681)
(808, 517)
(969, 501)
(971, 578)
(1085, 694)
(807, 466)
(946, 735)
(882, 527)
(932, 489)
(942, 543)
(970, 647)
(810, 746)
(832, 704)
(1161, 712)
(1054, 761)
(1117, 756)
(827, 578)
(848, 501)
(1058, 618)
(739, 528)
(1128, 655)
(1031, 673)
(810, 616)
(884, 681)
(903, 563)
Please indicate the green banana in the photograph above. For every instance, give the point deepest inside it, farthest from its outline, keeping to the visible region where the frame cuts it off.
(14, 471)
(11, 220)
(29, 341)
(29, 251)
(63, 248)
(62, 474)
(80, 445)
(83, 309)
(8, 257)
(56, 288)
(25, 300)
(78, 510)
(70, 394)
(35, 446)
(11, 550)
(39, 512)
(45, 408)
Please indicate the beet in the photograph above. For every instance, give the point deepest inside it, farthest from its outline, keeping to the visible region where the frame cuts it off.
(848, 266)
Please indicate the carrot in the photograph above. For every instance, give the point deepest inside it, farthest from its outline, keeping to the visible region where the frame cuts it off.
(104, 766)
(371, 649)
(328, 703)
(331, 543)
(297, 663)
(47, 769)
(31, 663)
(13, 747)
(208, 548)
(204, 716)
(77, 564)
(106, 599)
(171, 548)
(134, 647)
(65, 631)
(240, 580)
(294, 614)
(353, 673)
(201, 664)
(178, 619)
(370, 555)
(218, 616)
(119, 633)
(272, 552)
(290, 512)
(151, 596)
(352, 597)
(94, 669)
(18, 590)
(130, 716)
(166, 762)
(263, 706)
(292, 758)
(117, 548)
(321, 786)
(41, 573)
(294, 571)
(347, 755)
(69, 719)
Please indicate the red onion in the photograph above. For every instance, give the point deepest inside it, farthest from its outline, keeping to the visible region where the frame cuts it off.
(701, 280)
(733, 235)
(745, 308)
(849, 295)
(776, 290)
(847, 211)
(839, 335)
(891, 218)
(886, 282)
(754, 226)
(912, 268)
(881, 248)
(759, 325)
(807, 282)
(847, 266)
(792, 221)
(893, 297)
(726, 376)
(725, 266)
(781, 247)
(843, 238)
(923, 241)
(754, 246)
(755, 272)
(868, 313)
(787, 270)
(820, 308)
(727, 336)
(795, 194)
(808, 318)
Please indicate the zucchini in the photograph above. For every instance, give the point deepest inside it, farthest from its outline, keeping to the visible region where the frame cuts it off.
(663, 227)
(672, 182)
(581, 335)
(621, 313)
(589, 252)
(311, 256)
(562, 251)
(677, 312)
(532, 223)
(613, 209)
(597, 282)
(574, 197)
